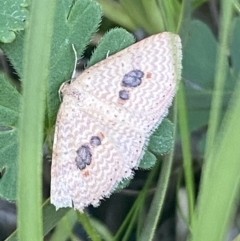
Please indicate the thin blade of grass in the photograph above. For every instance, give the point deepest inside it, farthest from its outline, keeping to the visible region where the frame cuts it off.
(35, 74)
(218, 197)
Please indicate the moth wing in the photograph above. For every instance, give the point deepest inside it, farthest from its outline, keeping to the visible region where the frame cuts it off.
(159, 58)
(93, 106)
(110, 161)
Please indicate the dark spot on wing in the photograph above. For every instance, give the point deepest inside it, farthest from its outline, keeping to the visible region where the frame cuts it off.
(95, 141)
(123, 94)
(133, 78)
(84, 157)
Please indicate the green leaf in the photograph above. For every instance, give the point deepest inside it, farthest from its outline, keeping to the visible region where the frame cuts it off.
(124, 183)
(148, 160)
(199, 58)
(199, 61)
(75, 23)
(9, 109)
(161, 141)
(13, 15)
(14, 52)
(112, 42)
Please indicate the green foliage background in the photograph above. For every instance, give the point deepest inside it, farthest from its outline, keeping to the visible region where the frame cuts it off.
(208, 96)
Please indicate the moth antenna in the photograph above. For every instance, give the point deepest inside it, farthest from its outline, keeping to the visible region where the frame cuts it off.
(60, 91)
(75, 63)
(59, 94)
(72, 77)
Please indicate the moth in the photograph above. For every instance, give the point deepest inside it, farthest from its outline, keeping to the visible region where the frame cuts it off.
(106, 117)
